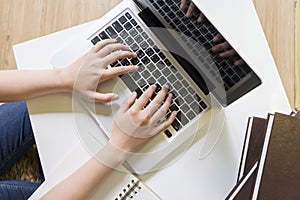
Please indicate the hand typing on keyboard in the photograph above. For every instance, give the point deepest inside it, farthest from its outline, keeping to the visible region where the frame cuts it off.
(191, 8)
(91, 69)
(222, 47)
(135, 124)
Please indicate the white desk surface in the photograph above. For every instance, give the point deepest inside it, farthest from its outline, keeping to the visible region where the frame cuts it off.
(189, 177)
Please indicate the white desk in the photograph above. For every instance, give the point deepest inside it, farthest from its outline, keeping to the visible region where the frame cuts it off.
(189, 177)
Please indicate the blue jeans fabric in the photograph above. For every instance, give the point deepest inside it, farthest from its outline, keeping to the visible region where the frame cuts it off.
(16, 138)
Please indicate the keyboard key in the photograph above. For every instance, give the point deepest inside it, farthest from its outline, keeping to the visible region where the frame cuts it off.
(196, 107)
(136, 76)
(151, 81)
(155, 58)
(111, 32)
(142, 83)
(129, 40)
(145, 60)
(125, 62)
(183, 92)
(138, 39)
(203, 105)
(177, 85)
(124, 34)
(171, 78)
(166, 72)
(188, 99)
(139, 92)
(119, 40)
(168, 63)
(140, 54)
(150, 41)
(185, 108)
(176, 125)
(95, 40)
(117, 26)
(135, 61)
(122, 19)
(145, 35)
(133, 32)
(144, 45)
(151, 67)
(139, 28)
(103, 35)
(162, 80)
(179, 101)
(128, 26)
(134, 47)
(168, 133)
(173, 107)
(128, 15)
(162, 55)
(190, 115)
(150, 52)
(146, 74)
(134, 23)
(182, 118)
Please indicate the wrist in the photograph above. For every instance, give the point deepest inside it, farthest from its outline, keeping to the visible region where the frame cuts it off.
(112, 156)
(64, 79)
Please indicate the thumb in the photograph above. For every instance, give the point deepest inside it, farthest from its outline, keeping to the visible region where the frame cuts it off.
(104, 98)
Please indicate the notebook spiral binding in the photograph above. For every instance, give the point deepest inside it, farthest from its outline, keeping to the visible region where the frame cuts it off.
(128, 192)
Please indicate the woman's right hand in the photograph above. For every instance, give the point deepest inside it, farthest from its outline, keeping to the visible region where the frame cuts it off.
(135, 123)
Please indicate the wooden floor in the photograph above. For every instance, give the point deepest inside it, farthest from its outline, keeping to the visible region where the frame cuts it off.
(24, 20)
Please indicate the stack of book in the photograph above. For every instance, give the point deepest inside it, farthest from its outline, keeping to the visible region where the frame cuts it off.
(270, 161)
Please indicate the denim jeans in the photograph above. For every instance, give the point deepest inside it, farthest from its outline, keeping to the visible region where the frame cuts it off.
(16, 138)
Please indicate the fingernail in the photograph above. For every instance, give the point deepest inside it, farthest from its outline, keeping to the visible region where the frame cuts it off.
(115, 97)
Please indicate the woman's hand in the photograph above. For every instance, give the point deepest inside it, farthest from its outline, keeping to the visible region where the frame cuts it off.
(191, 8)
(135, 123)
(88, 71)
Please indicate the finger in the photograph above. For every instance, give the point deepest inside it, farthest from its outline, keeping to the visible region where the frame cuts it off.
(183, 4)
(102, 44)
(128, 102)
(118, 55)
(157, 101)
(161, 112)
(111, 48)
(218, 38)
(201, 18)
(144, 98)
(220, 47)
(239, 62)
(228, 53)
(190, 10)
(168, 122)
(104, 98)
(117, 71)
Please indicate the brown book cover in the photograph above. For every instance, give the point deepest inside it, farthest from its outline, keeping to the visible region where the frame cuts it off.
(279, 169)
(253, 144)
(243, 190)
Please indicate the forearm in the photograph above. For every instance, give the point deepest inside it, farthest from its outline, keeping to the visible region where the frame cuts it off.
(18, 85)
(82, 183)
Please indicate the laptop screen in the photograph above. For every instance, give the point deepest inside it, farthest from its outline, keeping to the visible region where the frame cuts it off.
(190, 42)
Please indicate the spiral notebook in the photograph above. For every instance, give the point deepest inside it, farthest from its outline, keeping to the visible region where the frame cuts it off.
(118, 186)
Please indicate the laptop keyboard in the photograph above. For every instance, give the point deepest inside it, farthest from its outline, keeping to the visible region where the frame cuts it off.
(154, 68)
(222, 69)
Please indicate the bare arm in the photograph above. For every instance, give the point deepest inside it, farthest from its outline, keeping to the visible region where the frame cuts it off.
(81, 77)
(18, 85)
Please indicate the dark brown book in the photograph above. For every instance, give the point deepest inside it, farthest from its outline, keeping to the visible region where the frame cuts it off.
(278, 174)
(253, 144)
(243, 190)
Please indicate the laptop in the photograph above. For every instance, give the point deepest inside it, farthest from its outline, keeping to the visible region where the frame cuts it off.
(171, 49)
